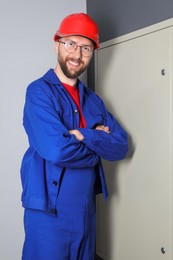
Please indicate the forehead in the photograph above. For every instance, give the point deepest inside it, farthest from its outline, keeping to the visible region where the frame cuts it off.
(79, 39)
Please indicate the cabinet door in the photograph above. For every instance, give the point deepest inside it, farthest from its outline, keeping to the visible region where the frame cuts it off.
(133, 78)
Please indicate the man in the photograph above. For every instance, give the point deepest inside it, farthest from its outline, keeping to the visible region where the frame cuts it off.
(69, 130)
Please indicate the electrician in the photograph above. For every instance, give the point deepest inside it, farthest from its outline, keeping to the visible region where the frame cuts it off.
(69, 130)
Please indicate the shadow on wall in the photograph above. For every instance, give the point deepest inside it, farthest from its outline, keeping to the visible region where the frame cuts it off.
(98, 258)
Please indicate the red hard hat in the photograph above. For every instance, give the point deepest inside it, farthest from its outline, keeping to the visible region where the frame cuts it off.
(79, 24)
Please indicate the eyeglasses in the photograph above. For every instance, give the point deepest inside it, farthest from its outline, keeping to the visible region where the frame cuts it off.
(72, 46)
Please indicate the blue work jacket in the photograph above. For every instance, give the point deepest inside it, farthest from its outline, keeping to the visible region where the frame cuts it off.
(49, 114)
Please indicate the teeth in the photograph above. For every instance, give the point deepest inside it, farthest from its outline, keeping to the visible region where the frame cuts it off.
(74, 63)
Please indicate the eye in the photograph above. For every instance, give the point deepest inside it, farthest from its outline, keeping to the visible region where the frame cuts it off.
(71, 44)
(87, 49)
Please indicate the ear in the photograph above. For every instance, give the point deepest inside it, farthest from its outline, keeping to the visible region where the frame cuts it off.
(56, 47)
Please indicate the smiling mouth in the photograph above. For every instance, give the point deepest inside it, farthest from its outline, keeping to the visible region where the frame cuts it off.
(74, 62)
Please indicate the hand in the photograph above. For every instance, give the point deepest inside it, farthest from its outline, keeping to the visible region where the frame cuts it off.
(103, 128)
(77, 134)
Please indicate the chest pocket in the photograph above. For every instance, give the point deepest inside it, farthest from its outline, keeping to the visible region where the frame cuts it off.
(66, 118)
(64, 111)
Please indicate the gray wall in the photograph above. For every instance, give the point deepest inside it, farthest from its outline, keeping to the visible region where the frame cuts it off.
(118, 17)
(27, 51)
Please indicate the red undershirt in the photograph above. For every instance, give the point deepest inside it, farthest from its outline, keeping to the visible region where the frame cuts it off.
(74, 93)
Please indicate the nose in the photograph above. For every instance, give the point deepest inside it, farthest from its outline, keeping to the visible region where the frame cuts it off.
(78, 52)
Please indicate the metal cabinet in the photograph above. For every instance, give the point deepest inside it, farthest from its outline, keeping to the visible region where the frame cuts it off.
(134, 77)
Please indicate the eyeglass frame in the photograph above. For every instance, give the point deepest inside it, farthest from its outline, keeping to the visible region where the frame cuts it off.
(76, 46)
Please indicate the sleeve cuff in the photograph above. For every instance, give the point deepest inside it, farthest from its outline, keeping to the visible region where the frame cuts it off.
(88, 135)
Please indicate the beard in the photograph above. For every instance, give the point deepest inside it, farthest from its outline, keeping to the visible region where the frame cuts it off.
(71, 73)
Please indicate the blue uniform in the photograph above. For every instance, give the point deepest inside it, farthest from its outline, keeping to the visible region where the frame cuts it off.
(61, 175)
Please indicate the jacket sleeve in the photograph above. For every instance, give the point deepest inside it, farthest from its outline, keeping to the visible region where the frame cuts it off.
(112, 146)
(49, 137)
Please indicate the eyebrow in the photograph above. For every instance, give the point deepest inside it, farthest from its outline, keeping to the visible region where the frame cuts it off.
(67, 39)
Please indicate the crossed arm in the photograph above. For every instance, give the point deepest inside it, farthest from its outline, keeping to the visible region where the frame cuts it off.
(80, 137)
(79, 147)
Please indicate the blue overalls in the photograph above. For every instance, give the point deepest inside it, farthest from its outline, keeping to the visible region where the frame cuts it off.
(60, 175)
